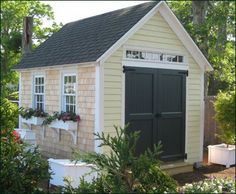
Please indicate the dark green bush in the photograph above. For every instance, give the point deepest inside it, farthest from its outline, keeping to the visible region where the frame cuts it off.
(122, 171)
(22, 169)
(9, 114)
(225, 116)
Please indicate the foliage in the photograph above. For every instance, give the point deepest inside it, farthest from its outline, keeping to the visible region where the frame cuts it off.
(27, 113)
(65, 116)
(22, 169)
(12, 14)
(215, 36)
(122, 170)
(211, 185)
(8, 114)
(225, 116)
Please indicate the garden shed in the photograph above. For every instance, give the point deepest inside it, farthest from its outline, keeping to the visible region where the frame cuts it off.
(136, 65)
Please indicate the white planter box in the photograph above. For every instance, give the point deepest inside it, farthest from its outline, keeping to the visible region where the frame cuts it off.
(67, 125)
(220, 154)
(28, 136)
(33, 120)
(63, 168)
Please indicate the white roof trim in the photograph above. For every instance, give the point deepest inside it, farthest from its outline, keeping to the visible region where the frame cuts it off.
(128, 34)
(183, 35)
(72, 65)
(175, 25)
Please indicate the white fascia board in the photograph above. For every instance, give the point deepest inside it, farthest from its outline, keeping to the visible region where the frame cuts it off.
(128, 34)
(183, 35)
(97, 122)
(86, 64)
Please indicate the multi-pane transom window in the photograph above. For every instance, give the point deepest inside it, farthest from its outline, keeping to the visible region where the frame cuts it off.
(154, 56)
(39, 92)
(69, 93)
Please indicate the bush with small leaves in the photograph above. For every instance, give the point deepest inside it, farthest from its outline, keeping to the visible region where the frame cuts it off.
(22, 169)
(122, 170)
(211, 185)
(225, 116)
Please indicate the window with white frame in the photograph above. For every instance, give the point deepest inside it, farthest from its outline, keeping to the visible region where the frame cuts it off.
(39, 92)
(69, 93)
(154, 56)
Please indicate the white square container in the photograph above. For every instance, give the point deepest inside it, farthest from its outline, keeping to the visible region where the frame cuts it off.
(67, 125)
(33, 120)
(220, 154)
(64, 167)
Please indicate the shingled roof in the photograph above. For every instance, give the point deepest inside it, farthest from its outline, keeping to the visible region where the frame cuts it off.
(85, 40)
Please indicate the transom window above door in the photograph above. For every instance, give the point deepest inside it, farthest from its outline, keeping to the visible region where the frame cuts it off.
(69, 93)
(154, 56)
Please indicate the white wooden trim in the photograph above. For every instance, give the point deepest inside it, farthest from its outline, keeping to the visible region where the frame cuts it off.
(123, 100)
(148, 49)
(101, 97)
(152, 64)
(97, 108)
(20, 96)
(59, 67)
(202, 115)
(37, 75)
(186, 117)
(64, 73)
(182, 34)
(128, 34)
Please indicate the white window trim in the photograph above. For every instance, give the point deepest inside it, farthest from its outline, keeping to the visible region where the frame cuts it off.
(161, 51)
(154, 64)
(63, 74)
(33, 90)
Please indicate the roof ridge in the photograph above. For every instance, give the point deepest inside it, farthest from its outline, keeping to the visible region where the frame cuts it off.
(152, 1)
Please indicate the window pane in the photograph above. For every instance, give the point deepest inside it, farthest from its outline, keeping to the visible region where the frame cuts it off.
(180, 59)
(73, 99)
(174, 59)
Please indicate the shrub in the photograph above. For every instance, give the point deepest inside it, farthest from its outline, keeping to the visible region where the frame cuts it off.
(64, 116)
(22, 169)
(211, 185)
(225, 116)
(122, 171)
(8, 114)
(27, 113)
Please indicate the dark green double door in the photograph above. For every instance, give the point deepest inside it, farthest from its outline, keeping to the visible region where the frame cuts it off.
(155, 105)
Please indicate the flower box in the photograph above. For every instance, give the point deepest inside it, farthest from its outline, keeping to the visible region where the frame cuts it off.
(67, 125)
(220, 154)
(33, 120)
(65, 168)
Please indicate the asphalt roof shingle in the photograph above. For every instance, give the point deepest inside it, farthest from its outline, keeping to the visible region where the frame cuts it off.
(85, 40)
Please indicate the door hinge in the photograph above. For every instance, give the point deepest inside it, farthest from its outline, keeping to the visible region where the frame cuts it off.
(185, 156)
(127, 69)
(184, 73)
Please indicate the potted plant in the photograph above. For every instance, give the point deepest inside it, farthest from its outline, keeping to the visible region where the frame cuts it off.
(225, 117)
(32, 116)
(63, 120)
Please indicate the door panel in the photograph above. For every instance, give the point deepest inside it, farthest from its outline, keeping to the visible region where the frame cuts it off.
(145, 127)
(139, 105)
(171, 114)
(155, 105)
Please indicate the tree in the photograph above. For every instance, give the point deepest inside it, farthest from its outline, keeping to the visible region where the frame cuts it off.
(211, 25)
(12, 14)
(225, 116)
